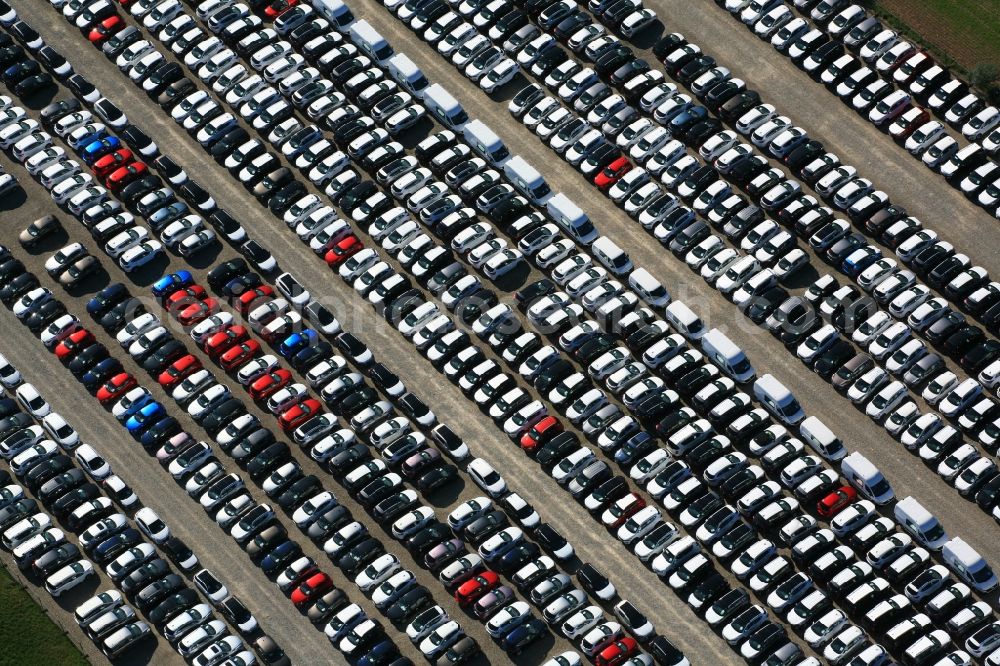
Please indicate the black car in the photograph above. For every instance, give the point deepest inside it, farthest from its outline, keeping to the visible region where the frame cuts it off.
(665, 653)
(172, 606)
(594, 582)
(833, 359)
(360, 555)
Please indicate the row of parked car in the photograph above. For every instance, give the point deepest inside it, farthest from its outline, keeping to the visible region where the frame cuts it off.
(884, 53)
(879, 272)
(89, 499)
(150, 322)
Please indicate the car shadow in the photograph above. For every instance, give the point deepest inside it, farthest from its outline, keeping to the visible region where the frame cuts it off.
(515, 279)
(802, 278)
(447, 495)
(649, 35)
(151, 272)
(39, 100)
(507, 91)
(13, 199)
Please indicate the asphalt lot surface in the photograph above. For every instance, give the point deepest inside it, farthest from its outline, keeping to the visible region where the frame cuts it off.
(925, 194)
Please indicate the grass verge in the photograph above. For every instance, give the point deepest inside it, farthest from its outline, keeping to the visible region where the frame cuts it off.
(28, 636)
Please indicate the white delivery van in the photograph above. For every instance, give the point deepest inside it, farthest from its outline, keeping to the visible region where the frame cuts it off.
(684, 320)
(724, 353)
(524, 177)
(368, 39)
(648, 288)
(336, 12)
(444, 107)
(407, 74)
(863, 475)
(920, 523)
(777, 399)
(613, 257)
(821, 439)
(571, 219)
(968, 565)
(485, 142)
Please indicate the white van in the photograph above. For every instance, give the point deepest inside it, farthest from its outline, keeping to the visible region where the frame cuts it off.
(368, 39)
(444, 107)
(863, 475)
(613, 257)
(524, 177)
(724, 353)
(776, 398)
(571, 219)
(407, 74)
(649, 288)
(485, 142)
(920, 523)
(968, 565)
(336, 12)
(684, 320)
(822, 439)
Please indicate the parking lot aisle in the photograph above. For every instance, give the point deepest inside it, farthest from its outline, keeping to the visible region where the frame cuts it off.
(818, 398)
(908, 182)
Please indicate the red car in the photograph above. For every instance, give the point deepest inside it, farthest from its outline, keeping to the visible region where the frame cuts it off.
(181, 298)
(908, 122)
(617, 652)
(178, 370)
(105, 30)
(219, 342)
(263, 387)
(125, 175)
(115, 388)
(198, 311)
(299, 413)
(111, 162)
(540, 433)
(73, 344)
(471, 590)
(311, 589)
(278, 7)
(239, 354)
(837, 501)
(612, 173)
(248, 299)
(623, 509)
(343, 250)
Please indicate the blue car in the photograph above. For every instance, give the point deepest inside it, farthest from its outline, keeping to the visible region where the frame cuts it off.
(282, 554)
(857, 261)
(168, 284)
(113, 293)
(688, 118)
(100, 373)
(296, 342)
(134, 408)
(145, 417)
(160, 432)
(383, 653)
(97, 146)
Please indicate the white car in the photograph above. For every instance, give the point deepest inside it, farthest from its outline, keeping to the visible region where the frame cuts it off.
(150, 524)
(68, 577)
(92, 462)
